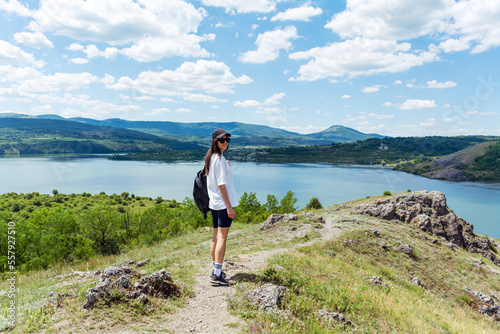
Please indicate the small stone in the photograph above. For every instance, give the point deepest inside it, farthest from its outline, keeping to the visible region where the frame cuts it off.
(416, 281)
(407, 249)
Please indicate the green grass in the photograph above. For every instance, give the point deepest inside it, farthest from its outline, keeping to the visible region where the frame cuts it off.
(334, 276)
(325, 275)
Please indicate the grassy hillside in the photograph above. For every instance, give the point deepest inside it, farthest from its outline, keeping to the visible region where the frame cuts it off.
(369, 151)
(36, 136)
(480, 162)
(321, 271)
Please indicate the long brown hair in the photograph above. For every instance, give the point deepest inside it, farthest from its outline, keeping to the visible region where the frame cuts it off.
(214, 148)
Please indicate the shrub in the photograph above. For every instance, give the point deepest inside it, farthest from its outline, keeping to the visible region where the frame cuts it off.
(387, 193)
(314, 204)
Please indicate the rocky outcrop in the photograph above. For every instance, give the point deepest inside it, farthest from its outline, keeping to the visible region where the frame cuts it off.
(159, 284)
(485, 304)
(429, 212)
(276, 218)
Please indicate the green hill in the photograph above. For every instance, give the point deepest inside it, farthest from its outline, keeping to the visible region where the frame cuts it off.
(247, 135)
(480, 162)
(342, 134)
(37, 136)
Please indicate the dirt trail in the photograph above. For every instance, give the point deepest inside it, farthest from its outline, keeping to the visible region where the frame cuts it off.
(207, 311)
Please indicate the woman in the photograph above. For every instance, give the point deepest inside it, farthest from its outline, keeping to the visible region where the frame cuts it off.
(223, 199)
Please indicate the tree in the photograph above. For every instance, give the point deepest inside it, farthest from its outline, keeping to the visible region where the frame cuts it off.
(287, 203)
(314, 204)
(272, 204)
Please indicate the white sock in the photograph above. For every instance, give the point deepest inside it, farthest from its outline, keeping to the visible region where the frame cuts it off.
(218, 269)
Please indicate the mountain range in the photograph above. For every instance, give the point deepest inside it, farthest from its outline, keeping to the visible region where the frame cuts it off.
(179, 135)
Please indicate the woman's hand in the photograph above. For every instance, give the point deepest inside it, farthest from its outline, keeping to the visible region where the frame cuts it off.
(230, 212)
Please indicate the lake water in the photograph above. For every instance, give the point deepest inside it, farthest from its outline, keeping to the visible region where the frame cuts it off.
(477, 203)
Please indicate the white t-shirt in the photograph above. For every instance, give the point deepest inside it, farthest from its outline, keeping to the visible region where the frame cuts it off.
(220, 173)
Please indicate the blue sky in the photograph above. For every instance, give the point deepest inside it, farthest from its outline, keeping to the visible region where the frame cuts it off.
(398, 68)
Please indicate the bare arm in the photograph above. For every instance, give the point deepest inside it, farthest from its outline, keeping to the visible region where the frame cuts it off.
(225, 197)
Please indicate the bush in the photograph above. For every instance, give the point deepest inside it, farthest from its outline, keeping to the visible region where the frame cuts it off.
(387, 193)
(314, 204)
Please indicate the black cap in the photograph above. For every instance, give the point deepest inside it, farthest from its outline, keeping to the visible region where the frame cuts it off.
(218, 133)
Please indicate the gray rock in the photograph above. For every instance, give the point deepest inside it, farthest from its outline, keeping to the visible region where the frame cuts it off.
(159, 284)
(142, 263)
(267, 296)
(375, 232)
(416, 281)
(423, 222)
(377, 281)
(333, 317)
(406, 249)
(487, 304)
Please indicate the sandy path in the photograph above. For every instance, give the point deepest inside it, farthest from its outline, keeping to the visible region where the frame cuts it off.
(207, 311)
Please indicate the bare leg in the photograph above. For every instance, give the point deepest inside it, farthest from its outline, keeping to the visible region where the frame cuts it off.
(220, 245)
(213, 245)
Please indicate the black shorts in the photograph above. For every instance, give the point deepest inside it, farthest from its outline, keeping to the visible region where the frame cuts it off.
(220, 218)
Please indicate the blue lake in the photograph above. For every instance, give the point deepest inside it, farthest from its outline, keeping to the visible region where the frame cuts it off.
(477, 203)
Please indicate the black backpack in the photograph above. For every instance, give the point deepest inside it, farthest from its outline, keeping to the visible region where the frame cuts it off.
(200, 192)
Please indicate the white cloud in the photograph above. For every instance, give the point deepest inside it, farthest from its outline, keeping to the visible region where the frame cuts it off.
(379, 116)
(360, 56)
(150, 30)
(108, 79)
(13, 55)
(372, 89)
(79, 61)
(269, 45)
(183, 110)
(303, 13)
(57, 82)
(274, 99)
(397, 82)
(41, 109)
(270, 111)
(453, 45)
(75, 47)
(13, 6)
(435, 84)
(157, 111)
(389, 104)
(211, 77)
(33, 39)
(9, 73)
(345, 96)
(145, 98)
(254, 26)
(467, 24)
(247, 104)
(201, 98)
(428, 122)
(490, 113)
(417, 104)
(447, 105)
(243, 6)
